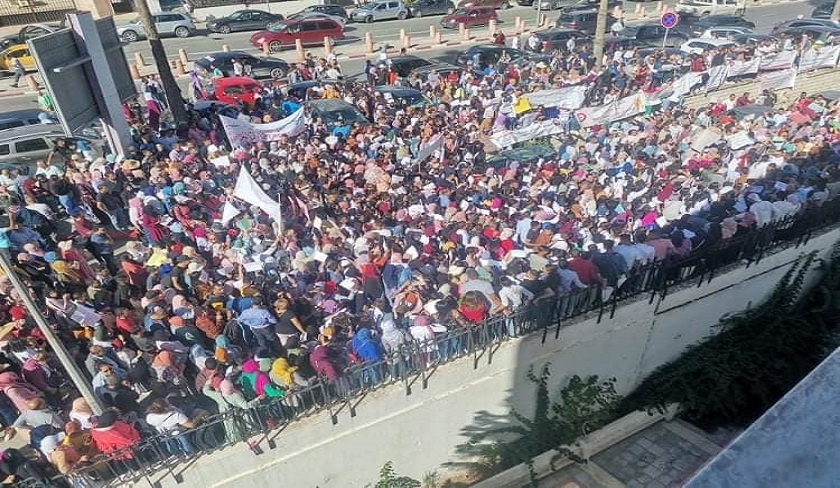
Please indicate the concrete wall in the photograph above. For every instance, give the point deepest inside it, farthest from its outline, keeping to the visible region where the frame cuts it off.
(419, 432)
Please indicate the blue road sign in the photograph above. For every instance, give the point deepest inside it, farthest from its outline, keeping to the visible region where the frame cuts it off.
(669, 20)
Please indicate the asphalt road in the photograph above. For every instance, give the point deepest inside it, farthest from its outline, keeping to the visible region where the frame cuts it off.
(384, 33)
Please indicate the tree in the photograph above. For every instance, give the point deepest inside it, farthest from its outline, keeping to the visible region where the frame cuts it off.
(170, 87)
(388, 479)
(732, 377)
(601, 31)
(585, 404)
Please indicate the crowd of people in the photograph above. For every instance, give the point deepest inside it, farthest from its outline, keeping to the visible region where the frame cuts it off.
(179, 300)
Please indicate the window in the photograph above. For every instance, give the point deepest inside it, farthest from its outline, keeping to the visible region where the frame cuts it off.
(30, 145)
(325, 25)
(309, 26)
(8, 124)
(4, 149)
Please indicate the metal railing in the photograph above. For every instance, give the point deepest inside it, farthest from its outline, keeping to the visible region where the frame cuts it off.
(413, 364)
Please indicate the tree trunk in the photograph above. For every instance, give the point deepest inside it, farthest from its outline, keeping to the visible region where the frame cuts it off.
(170, 87)
(601, 32)
(835, 13)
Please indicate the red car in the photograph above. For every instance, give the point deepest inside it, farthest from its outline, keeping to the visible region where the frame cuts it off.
(310, 30)
(469, 16)
(235, 90)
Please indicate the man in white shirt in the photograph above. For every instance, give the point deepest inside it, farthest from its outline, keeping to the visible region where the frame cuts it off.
(512, 296)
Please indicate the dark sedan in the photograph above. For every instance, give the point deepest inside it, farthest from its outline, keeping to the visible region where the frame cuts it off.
(486, 54)
(260, 67)
(405, 97)
(243, 20)
(422, 8)
(443, 70)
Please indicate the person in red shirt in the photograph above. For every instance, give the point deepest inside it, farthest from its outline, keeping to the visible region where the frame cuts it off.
(114, 437)
(586, 270)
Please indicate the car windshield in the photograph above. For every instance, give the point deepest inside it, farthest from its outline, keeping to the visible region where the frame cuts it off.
(277, 27)
(461, 11)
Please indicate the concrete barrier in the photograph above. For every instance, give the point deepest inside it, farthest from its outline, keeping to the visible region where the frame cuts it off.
(183, 56)
(466, 35)
(301, 54)
(368, 43)
(225, 48)
(138, 60)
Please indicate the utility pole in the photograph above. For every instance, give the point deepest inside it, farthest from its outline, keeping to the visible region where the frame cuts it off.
(601, 32)
(82, 384)
(835, 13)
(170, 86)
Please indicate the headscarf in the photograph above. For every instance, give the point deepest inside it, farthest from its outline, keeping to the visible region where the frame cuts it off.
(364, 345)
(80, 405)
(164, 359)
(260, 380)
(280, 369)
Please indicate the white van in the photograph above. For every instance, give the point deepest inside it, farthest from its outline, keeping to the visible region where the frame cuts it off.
(707, 7)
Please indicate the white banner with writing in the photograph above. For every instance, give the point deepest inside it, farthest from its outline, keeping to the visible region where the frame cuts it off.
(743, 68)
(242, 133)
(825, 57)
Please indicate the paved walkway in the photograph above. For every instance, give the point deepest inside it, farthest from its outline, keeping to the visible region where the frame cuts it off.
(664, 455)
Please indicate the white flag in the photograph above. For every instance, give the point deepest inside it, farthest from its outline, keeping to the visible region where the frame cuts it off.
(228, 213)
(241, 133)
(435, 143)
(248, 190)
(717, 76)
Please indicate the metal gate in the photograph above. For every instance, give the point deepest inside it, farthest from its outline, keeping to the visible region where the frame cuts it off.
(22, 12)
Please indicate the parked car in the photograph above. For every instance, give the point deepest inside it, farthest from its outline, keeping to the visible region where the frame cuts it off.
(302, 90)
(422, 8)
(697, 26)
(336, 112)
(380, 10)
(20, 118)
(310, 31)
(261, 67)
(822, 11)
(470, 17)
(800, 23)
(234, 90)
(20, 51)
(727, 32)
(708, 7)
(552, 39)
(443, 70)
(403, 65)
(699, 46)
(752, 38)
(525, 3)
(588, 5)
(582, 20)
(487, 54)
(21, 147)
(497, 4)
(243, 20)
(333, 10)
(167, 23)
(653, 34)
(815, 32)
(342, 21)
(406, 97)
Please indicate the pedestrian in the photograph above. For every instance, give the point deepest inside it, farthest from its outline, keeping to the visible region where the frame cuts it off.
(19, 71)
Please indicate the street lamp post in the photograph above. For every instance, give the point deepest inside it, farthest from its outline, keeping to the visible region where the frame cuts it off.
(82, 384)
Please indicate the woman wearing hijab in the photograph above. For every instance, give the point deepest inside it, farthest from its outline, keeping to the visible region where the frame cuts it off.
(169, 368)
(18, 391)
(287, 377)
(76, 260)
(256, 383)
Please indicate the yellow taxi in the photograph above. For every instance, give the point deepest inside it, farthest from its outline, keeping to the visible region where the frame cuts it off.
(20, 51)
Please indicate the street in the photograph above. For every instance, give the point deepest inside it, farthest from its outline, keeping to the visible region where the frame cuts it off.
(385, 33)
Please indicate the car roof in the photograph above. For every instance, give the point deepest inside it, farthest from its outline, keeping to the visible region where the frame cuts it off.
(406, 57)
(397, 90)
(712, 40)
(51, 130)
(24, 112)
(329, 105)
(235, 80)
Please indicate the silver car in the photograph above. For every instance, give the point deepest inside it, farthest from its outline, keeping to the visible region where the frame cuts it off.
(166, 23)
(380, 10)
(21, 147)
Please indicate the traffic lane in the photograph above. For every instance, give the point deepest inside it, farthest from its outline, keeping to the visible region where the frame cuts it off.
(765, 17)
(206, 42)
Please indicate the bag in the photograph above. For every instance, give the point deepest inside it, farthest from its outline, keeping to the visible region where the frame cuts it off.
(38, 434)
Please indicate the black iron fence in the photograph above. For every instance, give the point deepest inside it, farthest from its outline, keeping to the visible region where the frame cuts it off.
(411, 366)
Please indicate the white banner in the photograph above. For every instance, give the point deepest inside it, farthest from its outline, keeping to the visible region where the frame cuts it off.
(739, 140)
(618, 110)
(717, 77)
(704, 138)
(782, 60)
(568, 98)
(678, 88)
(242, 133)
(429, 148)
(778, 80)
(248, 190)
(228, 213)
(742, 68)
(540, 129)
(825, 57)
